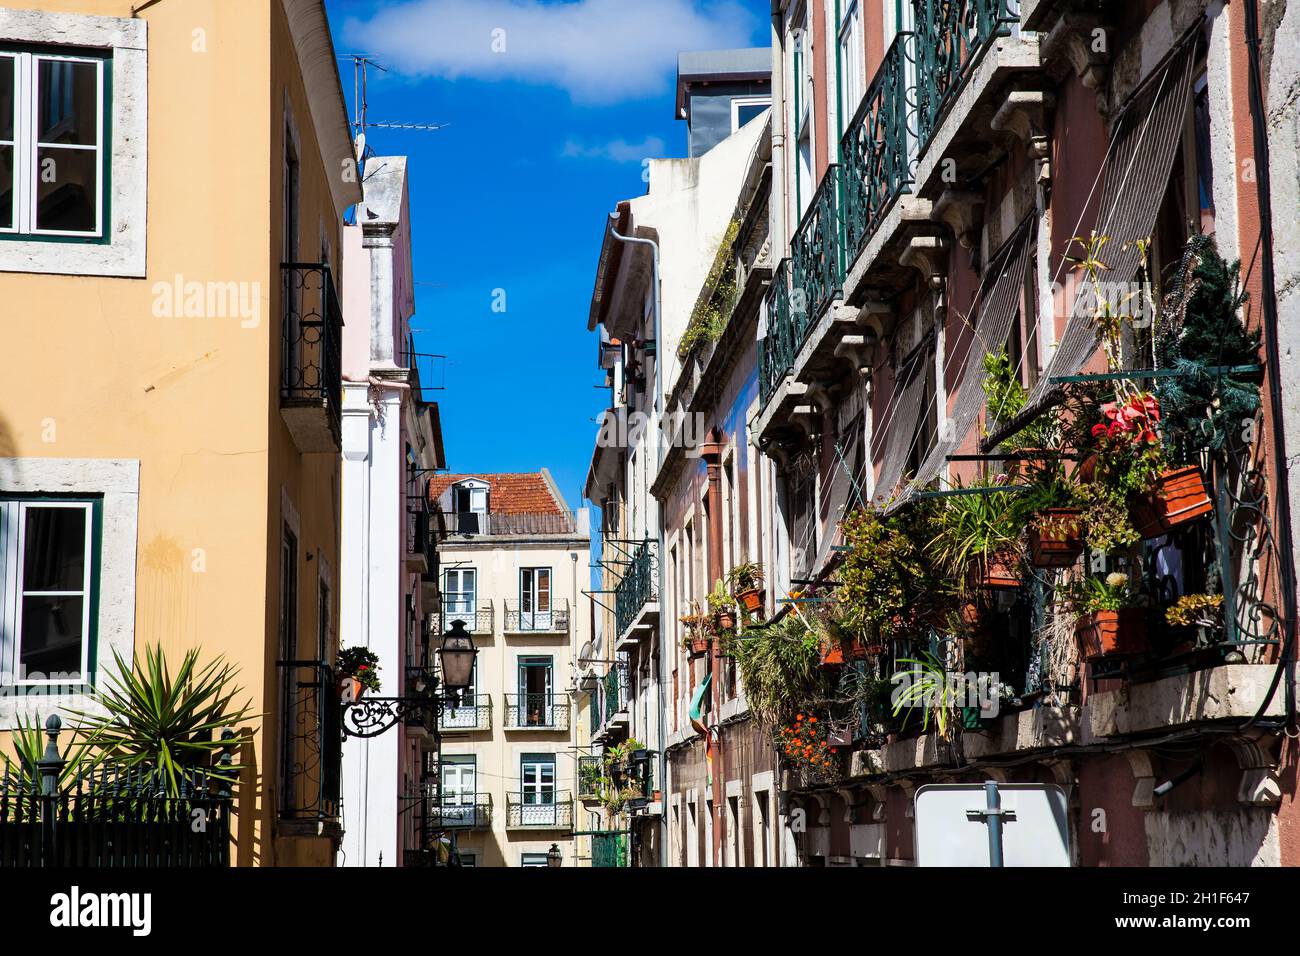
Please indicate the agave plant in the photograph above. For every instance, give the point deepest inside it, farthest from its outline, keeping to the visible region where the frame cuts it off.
(166, 725)
(23, 769)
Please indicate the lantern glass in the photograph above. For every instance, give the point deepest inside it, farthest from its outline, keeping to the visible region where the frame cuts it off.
(553, 856)
(457, 658)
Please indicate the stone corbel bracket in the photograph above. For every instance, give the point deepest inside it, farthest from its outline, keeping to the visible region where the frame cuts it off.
(1144, 773)
(1257, 757)
(1025, 116)
(928, 255)
(879, 801)
(849, 796)
(1080, 40)
(962, 210)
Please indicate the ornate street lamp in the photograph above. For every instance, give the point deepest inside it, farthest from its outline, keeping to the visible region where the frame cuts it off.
(553, 855)
(457, 659)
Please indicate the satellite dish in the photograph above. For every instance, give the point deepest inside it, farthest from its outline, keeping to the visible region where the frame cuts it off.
(360, 145)
(585, 653)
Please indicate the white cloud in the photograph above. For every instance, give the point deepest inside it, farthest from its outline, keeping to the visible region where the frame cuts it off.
(600, 51)
(618, 150)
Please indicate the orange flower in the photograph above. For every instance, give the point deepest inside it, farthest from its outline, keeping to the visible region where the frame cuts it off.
(812, 720)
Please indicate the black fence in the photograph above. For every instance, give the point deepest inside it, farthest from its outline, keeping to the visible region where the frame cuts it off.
(110, 817)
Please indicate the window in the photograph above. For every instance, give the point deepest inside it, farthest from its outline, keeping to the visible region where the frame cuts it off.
(537, 790)
(533, 860)
(47, 569)
(459, 594)
(535, 705)
(535, 599)
(746, 108)
(459, 786)
(470, 499)
(323, 621)
(852, 65)
(53, 127)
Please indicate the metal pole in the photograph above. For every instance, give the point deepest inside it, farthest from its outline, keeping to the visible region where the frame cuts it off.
(993, 811)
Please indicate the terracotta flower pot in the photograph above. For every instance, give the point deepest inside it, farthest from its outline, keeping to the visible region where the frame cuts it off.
(700, 646)
(1179, 496)
(1103, 635)
(351, 689)
(832, 654)
(1055, 541)
(999, 572)
(727, 620)
(751, 599)
(1087, 470)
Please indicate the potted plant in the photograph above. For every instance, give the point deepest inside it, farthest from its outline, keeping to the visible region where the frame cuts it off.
(1178, 496)
(977, 538)
(807, 747)
(722, 606)
(1056, 537)
(746, 581)
(358, 672)
(1204, 612)
(1112, 620)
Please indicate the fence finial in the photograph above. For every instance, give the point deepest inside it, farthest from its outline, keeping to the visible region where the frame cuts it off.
(52, 762)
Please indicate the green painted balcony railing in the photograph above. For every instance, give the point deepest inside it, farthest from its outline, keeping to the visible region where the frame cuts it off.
(777, 351)
(613, 696)
(817, 255)
(875, 149)
(951, 38)
(639, 587)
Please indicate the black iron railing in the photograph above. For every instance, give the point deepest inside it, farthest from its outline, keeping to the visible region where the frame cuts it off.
(591, 771)
(311, 741)
(311, 369)
(473, 712)
(639, 587)
(536, 711)
(539, 810)
(476, 622)
(497, 523)
(465, 811)
(112, 816)
(425, 368)
(555, 620)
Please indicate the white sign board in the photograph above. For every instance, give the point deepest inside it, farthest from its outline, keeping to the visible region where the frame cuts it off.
(1035, 828)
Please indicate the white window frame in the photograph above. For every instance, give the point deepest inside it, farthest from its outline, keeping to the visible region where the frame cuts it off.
(852, 61)
(460, 591)
(27, 147)
(740, 102)
(13, 538)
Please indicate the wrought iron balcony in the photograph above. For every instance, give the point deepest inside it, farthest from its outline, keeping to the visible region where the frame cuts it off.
(310, 744)
(639, 587)
(951, 37)
(478, 622)
(420, 540)
(554, 621)
(590, 772)
(613, 692)
(311, 360)
(539, 811)
(473, 713)
(778, 347)
(609, 848)
(817, 254)
(466, 811)
(876, 148)
(536, 712)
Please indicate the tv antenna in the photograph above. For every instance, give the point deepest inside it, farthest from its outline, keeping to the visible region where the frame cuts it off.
(361, 121)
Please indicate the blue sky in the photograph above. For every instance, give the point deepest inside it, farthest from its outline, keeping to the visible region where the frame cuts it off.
(551, 107)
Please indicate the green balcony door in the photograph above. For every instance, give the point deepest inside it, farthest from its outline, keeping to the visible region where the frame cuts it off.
(534, 702)
(534, 599)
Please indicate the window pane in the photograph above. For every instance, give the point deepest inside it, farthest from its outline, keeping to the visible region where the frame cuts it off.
(69, 102)
(6, 187)
(66, 182)
(55, 545)
(7, 97)
(51, 634)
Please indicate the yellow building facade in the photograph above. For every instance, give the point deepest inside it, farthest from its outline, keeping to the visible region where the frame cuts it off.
(163, 369)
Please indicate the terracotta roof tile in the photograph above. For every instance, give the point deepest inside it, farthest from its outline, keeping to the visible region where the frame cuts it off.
(509, 493)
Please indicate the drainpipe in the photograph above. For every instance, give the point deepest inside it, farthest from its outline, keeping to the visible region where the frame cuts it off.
(659, 455)
(1281, 483)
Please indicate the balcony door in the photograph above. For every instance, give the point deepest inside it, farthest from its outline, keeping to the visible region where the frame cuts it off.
(535, 599)
(460, 597)
(535, 707)
(537, 789)
(459, 786)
